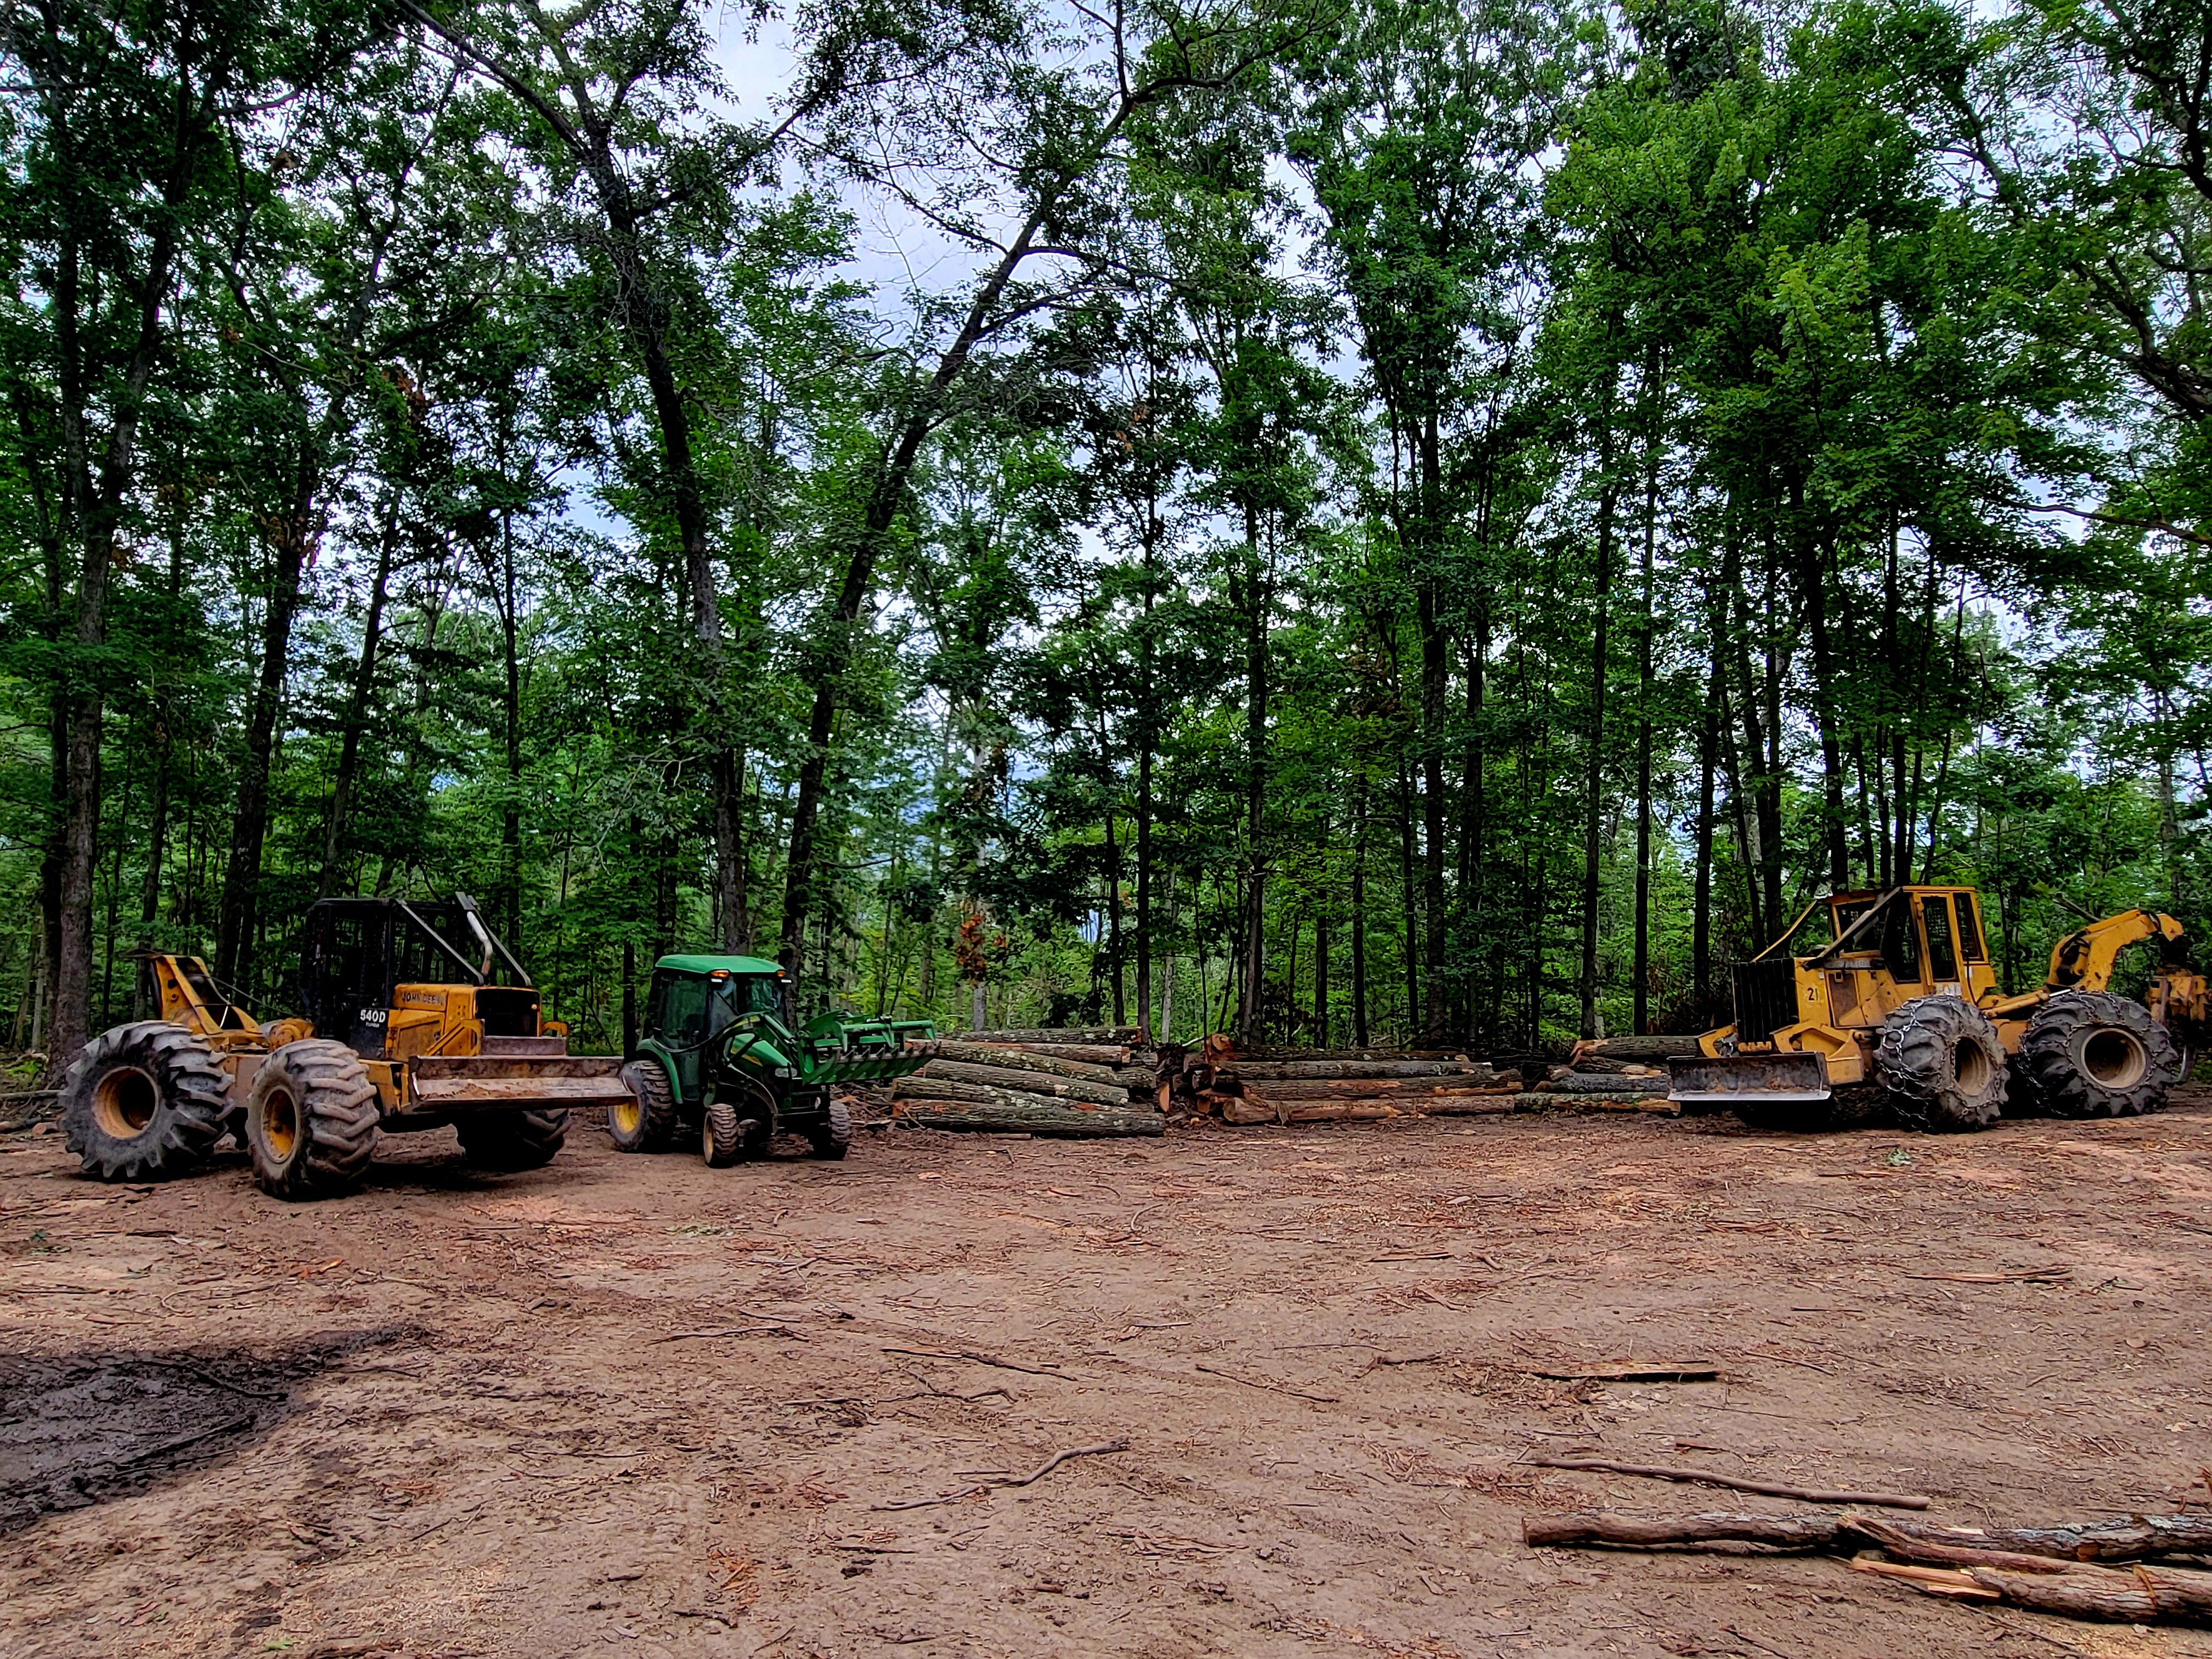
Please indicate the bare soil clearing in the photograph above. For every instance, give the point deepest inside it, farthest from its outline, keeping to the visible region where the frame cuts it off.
(634, 1401)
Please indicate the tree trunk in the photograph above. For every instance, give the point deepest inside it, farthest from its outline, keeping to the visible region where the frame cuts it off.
(364, 688)
(1599, 670)
(97, 509)
(1359, 904)
(1114, 922)
(1642, 971)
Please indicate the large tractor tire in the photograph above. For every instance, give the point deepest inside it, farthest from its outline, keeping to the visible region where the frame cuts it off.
(510, 1141)
(833, 1136)
(2090, 1054)
(311, 1120)
(145, 1101)
(722, 1135)
(646, 1122)
(1939, 1060)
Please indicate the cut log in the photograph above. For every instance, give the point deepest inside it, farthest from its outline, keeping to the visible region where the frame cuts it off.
(1252, 1106)
(1549, 1097)
(1278, 1070)
(1035, 1083)
(1789, 1532)
(1642, 1047)
(2135, 1539)
(2140, 1596)
(918, 1087)
(1029, 1114)
(1374, 1088)
(1094, 1054)
(1341, 1111)
(1055, 1035)
(1588, 1083)
(1015, 1060)
(1270, 1053)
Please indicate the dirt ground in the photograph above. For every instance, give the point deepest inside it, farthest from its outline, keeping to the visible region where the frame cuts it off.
(632, 1403)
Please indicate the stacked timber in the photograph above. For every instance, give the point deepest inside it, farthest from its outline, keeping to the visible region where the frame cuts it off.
(1040, 1081)
(1328, 1086)
(1623, 1074)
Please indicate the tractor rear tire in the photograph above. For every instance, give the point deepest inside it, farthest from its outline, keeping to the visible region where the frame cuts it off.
(145, 1101)
(2090, 1054)
(722, 1135)
(646, 1121)
(832, 1138)
(511, 1141)
(1942, 1066)
(311, 1118)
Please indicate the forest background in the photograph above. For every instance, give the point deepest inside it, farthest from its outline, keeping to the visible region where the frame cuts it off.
(1341, 520)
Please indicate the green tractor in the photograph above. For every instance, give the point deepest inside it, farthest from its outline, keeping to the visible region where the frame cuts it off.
(719, 1060)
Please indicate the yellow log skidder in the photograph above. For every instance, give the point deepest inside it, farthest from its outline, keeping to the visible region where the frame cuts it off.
(1904, 996)
(406, 1026)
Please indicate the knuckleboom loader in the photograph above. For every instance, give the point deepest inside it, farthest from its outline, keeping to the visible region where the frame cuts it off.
(721, 1060)
(405, 1025)
(1902, 996)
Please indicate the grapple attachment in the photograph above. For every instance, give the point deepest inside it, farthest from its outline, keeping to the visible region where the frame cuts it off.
(1738, 1079)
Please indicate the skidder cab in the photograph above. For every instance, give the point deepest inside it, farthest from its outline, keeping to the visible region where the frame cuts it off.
(720, 1061)
(407, 1025)
(1899, 991)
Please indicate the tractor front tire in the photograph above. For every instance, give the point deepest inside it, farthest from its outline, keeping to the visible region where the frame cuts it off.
(832, 1137)
(512, 1142)
(1940, 1062)
(646, 1122)
(311, 1120)
(2090, 1054)
(722, 1135)
(145, 1101)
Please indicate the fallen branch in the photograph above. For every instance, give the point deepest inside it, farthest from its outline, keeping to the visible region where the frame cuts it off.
(2139, 1595)
(978, 1359)
(985, 1485)
(1272, 1388)
(1952, 1561)
(1790, 1531)
(1714, 1478)
(2010, 1276)
(1690, 1370)
(723, 1330)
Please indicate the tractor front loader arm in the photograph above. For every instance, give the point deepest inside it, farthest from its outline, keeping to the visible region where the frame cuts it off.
(2084, 959)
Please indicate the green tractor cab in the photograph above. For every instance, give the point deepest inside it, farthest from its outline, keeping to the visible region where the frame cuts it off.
(720, 1061)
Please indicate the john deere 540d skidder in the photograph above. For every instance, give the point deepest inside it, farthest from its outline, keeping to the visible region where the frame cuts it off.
(1904, 995)
(404, 1026)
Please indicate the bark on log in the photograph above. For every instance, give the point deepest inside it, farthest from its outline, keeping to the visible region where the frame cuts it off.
(1271, 1071)
(1270, 1053)
(1252, 1108)
(1028, 1113)
(1056, 1034)
(1095, 1053)
(1015, 1060)
(918, 1087)
(1033, 1083)
(1643, 1047)
(1793, 1532)
(1366, 1088)
(1587, 1083)
(1538, 1099)
(2135, 1539)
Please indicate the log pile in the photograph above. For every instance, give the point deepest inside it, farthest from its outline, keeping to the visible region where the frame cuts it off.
(2049, 1569)
(1623, 1074)
(1325, 1086)
(1091, 1080)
